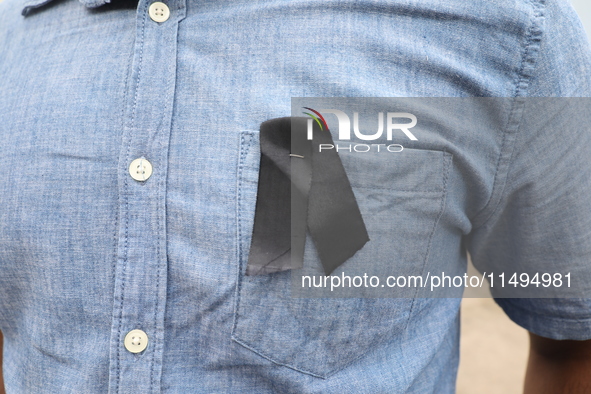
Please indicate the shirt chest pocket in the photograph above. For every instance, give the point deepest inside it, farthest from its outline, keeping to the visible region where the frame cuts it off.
(401, 201)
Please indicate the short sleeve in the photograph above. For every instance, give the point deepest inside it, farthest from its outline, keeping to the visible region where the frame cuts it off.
(542, 221)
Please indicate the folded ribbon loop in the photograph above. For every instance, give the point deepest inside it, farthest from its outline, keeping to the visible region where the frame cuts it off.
(301, 187)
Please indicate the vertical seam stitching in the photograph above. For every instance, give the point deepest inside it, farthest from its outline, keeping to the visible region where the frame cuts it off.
(125, 184)
(243, 152)
(118, 218)
(530, 52)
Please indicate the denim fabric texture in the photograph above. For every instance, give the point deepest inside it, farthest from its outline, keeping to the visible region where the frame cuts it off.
(88, 254)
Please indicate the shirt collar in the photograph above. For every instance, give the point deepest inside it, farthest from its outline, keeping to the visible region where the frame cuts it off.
(34, 4)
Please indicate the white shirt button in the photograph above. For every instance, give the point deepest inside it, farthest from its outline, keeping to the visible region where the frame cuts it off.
(136, 341)
(140, 169)
(159, 12)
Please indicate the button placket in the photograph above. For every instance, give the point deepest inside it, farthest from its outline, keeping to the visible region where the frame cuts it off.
(141, 269)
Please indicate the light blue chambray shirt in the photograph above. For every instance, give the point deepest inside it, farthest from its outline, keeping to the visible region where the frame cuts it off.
(88, 253)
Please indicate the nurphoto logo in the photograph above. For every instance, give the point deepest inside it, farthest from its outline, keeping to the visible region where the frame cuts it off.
(393, 124)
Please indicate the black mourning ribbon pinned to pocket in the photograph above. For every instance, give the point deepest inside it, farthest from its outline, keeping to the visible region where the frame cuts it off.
(301, 187)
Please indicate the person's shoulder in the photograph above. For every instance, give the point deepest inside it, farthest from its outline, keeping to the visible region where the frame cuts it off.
(563, 65)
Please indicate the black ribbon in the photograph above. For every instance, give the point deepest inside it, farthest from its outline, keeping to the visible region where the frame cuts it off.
(302, 187)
